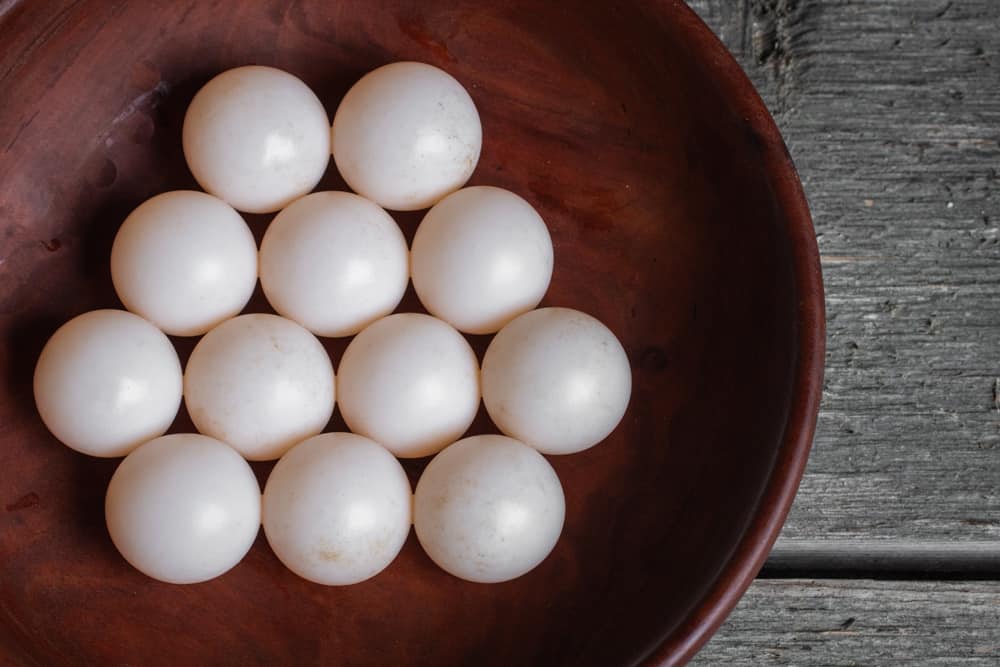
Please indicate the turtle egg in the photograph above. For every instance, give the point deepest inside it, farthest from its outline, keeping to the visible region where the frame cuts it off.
(257, 138)
(334, 262)
(260, 383)
(183, 508)
(409, 382)
(106, 382)
(337, 508)
(556, 379)
(481, 257)
(406, 135)
(185, 261)
(488, 509)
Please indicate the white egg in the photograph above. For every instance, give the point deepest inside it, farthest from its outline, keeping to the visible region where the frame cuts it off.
(334, 262)
(556, 379)
(409, 382)
(106, 382)
(185, 261)
(260, 383)
(406, 135)
(256, 137)
(488, 509)
(183, 508)
(337, 509)
(481, 257)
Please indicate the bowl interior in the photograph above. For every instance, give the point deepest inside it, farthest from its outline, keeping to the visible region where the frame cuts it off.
(608, 118)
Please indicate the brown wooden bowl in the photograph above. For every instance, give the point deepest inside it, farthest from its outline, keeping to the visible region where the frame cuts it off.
(677, 219)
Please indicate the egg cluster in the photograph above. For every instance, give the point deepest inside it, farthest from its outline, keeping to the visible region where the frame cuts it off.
(337, 507)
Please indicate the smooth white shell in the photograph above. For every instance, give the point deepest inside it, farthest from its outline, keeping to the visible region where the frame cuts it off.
(260, 383)
(106, 382)
(409, 382)
(488, 509)
(334, 262)
(481, 257)
(337, 509)
(406, 135)
(183, 508)
(185, 261)
(556, 379)
(256, 137)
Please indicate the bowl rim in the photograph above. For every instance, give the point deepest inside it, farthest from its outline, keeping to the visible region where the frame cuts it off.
(755, 545)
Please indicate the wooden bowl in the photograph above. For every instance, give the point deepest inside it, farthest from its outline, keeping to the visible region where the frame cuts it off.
(677, 219)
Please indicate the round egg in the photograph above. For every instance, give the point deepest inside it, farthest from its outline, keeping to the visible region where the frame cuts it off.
(185, 261)
(488, 509)
(409, 382)
(260, 383)
(106, 382)
(406, 135)
(183, 508)
(481, 257)
(337, 509)
(556, 379)
(256, 137)
(334, 262)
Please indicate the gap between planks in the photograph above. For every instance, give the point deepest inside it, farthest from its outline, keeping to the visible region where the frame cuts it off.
(884, 559)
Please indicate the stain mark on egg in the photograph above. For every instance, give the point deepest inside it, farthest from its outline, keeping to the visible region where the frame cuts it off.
(328, 555)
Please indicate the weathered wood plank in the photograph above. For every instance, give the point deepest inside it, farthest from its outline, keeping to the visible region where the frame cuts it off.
(802, 622)
(891, 109)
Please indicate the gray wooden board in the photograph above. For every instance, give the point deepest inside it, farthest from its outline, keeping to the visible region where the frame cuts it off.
(891, 109)
(802, 622)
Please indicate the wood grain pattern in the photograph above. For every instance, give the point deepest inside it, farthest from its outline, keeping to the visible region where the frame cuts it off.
(850, 623)
(891, 110)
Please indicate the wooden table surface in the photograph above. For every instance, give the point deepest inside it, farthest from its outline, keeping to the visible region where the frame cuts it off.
(891, 109)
